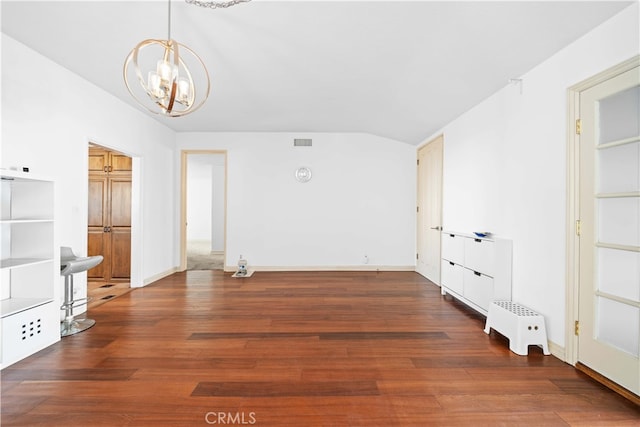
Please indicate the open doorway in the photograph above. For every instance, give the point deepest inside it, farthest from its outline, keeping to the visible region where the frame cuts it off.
(109, 223)
(204, 210)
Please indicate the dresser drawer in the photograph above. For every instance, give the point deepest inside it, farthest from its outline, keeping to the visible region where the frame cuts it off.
(479, 255)
(452, 276)
(478, 288)
(453, 248)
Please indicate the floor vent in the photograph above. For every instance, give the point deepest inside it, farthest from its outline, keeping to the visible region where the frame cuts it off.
(298, 142)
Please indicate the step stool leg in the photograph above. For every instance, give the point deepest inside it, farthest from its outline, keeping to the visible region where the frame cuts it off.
(545, 349)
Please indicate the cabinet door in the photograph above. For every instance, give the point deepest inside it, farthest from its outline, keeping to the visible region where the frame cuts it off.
(119, 164)
(478, 288)
(453, 248)
(98, 160)
(98, 244)
(120, 231)
(478, 256)
(120, 253)
(109, 232)
(452, 276)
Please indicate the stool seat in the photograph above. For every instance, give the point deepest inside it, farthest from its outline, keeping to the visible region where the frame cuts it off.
(69, 265)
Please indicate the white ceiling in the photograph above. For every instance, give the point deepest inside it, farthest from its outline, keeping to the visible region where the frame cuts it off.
(398, 69)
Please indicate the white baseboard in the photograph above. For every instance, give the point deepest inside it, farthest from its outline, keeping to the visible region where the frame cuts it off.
(231, 268)
(557, 350)
(158, 276)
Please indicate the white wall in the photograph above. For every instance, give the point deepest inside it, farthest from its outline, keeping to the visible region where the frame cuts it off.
(205, 199)
(47, 125)
(505, 165)
(199, 193)
(360, 201)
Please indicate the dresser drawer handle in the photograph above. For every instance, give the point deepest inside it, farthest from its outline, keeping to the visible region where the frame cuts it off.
(478, 240)
(450, 263)
(477, 274)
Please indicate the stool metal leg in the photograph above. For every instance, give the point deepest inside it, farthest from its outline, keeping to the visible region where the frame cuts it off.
(69, 325)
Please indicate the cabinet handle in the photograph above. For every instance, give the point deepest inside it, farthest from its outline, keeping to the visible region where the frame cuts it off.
(107, 229)
(452, 235)
(110, 168)
(104, 169)
(477, 274)
(450, 263)
(478, 240)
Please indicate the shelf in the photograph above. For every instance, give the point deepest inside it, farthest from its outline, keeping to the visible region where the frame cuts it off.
(25, 221)
(22, 262)
(11, 175)
(16, 305)
(29, 266)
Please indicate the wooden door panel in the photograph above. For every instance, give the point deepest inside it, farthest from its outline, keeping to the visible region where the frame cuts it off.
(120, 192)
(120, 253)
(98, 160)
(119, 163)
(98, 244)
(97, 201)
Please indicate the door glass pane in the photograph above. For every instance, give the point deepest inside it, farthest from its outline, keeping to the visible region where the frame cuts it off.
(619, 273)
(619, 169)
(620, 116)
(618, 325)
(618, 221)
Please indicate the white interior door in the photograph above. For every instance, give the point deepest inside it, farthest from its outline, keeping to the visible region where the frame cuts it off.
(609, 259)
(430, 209)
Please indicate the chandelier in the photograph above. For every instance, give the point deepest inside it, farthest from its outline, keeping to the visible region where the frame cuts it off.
(167, 86)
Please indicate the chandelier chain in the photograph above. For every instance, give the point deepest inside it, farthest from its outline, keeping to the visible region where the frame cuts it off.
(216, 4)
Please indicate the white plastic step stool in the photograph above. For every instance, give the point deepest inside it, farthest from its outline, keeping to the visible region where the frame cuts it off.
(523, 326)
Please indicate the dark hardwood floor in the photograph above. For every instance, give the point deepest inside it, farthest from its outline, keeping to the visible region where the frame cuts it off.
(297, 349)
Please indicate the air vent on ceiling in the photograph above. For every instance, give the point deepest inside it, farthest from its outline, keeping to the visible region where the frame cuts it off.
(302, 142)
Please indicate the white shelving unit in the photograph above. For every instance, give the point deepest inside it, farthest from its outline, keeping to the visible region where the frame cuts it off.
(476, 271)
(29, 269)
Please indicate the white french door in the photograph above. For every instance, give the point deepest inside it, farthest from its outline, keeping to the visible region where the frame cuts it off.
(430, 209)
(609, 242)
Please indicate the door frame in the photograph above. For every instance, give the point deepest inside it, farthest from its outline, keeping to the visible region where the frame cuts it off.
(437, 137)
(184, 154)
(572, 314)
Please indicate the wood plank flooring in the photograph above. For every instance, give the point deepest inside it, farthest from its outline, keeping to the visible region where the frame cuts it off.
(298, 349)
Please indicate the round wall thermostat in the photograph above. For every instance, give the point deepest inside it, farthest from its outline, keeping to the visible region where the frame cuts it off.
(303, 174)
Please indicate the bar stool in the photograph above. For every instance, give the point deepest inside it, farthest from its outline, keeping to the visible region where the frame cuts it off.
(69, 265)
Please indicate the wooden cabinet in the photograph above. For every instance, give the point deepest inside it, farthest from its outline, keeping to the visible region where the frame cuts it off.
(476, 270)
(29, 267)
(109, 232)
(105, 161)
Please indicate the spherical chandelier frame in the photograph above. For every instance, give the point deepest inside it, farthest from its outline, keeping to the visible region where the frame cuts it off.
(168, 100)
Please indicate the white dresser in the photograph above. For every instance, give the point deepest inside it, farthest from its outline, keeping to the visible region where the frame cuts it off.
(476, 270)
